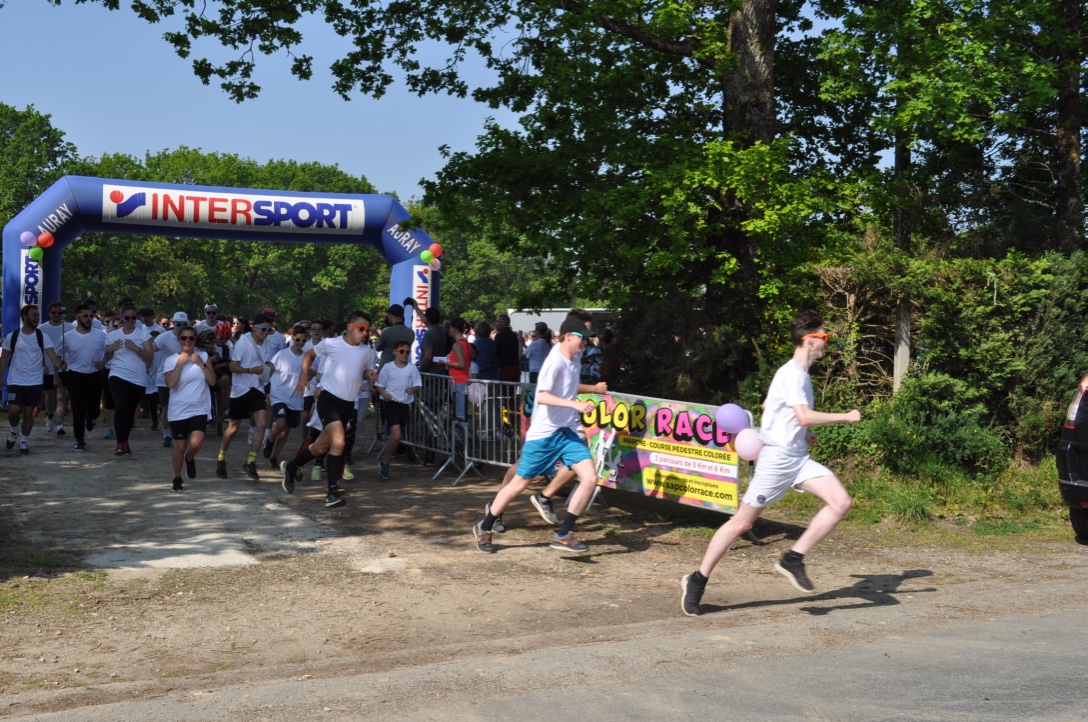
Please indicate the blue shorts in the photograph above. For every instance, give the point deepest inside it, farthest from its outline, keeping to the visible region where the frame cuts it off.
(539, 455)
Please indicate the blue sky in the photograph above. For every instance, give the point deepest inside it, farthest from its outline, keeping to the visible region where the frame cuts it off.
(113, 85)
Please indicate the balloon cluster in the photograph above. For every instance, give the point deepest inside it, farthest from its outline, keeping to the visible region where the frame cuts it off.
(734, 420)
(430, 256)
(36, 243)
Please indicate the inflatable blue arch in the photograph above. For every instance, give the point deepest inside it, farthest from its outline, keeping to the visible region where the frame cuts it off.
(75, 204)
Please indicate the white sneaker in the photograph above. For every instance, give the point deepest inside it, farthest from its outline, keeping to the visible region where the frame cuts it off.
(13, 436)
(49, 423)
(60, 429)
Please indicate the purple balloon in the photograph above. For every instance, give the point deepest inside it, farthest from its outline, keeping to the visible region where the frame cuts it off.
(731, 418)
(28, 239)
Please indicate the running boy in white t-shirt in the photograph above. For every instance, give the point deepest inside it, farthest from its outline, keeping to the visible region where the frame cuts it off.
(398, 383)
(783, 463)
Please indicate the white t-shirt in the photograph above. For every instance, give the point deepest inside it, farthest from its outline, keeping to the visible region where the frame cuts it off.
(287, 370)
(342, 372)
(83, 350)
(247, 353)
(166, 345)
(55, 336)
(125, 364)
(396, 381)
(26, 365)
(190, 397)
(560, 377)
(273, 344)
(791, 386)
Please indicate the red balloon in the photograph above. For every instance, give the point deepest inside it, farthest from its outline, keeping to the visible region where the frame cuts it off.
(45, 240)
(435, 249)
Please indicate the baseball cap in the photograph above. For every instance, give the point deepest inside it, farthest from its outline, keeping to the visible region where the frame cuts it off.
(180, 317)
(211, 305)
(573, 325)
(268, 311)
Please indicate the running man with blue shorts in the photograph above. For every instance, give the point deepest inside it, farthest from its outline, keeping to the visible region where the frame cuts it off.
(784, 463)
(552, 437)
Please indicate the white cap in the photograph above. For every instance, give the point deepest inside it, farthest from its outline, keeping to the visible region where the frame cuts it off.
(180, 317)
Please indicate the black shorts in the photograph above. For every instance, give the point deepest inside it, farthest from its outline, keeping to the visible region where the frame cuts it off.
(331, 408)
(47, 382)
(395, 413)
(181, 429)
(307, 403)
(292, 416)
(164, 396)
(248, 403)
(25, 396)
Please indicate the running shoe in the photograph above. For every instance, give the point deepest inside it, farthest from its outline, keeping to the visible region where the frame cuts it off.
(190, 469)
(24, 447)
(267, 451)
(569, 544)
(49, 422)
(498, 526)
(13, 436)
(544, 506)
(338, 489)
(795, 572)
(250, 470)
(90, 424)
(483, 539)
(178, 486)
(333, 499)
(221, 468)
(59, 428)
(80, 446)
(383, 471)
(273, 463)
(315, 473)
(348, 476)
(128, 449)
(166, 442)
(288, 482)
(109, 433)
(692, 594)
(119, 450)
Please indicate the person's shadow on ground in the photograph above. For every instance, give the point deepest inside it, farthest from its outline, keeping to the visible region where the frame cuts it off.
(873, 590)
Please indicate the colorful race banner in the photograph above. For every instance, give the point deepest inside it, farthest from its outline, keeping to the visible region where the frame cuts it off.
(664, 449)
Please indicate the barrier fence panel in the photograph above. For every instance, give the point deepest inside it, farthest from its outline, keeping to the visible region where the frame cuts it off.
(489, 432)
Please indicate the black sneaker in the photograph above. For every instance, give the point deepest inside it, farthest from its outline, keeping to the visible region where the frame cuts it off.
(795, 572)
(569, 544)
(221, 468)
(693, 592)
(333, 499)
(250, 470)
(497, 527)
(80, 446)
(268, 449)
(544, 506)
(13, 436)
(166, 442)
(59, 428)
(89, 424)
(273, 463)
(288, 478)
(178, 486)
(190, 469)
(483, 539)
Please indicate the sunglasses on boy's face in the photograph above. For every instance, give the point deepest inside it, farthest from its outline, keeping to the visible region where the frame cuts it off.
(186, 338)
(266, 329)
(301, 339)
(361, 327)
(400, 351)
(129, 318)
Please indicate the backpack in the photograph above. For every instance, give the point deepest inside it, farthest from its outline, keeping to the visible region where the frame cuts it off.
(17, 333)
(592, 359)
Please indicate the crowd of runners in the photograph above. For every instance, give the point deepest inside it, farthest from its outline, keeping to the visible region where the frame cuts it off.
(322, 376)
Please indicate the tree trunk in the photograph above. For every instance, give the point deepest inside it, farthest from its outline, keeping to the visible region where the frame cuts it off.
(1069, 208)
(904, 197)
(749, 91)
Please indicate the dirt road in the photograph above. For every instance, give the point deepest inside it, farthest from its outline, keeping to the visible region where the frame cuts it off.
(115, 589)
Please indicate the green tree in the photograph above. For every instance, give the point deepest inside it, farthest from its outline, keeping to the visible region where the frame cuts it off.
(33, 155)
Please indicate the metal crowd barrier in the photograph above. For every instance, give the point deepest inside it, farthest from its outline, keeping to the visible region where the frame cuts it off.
(489, 433)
